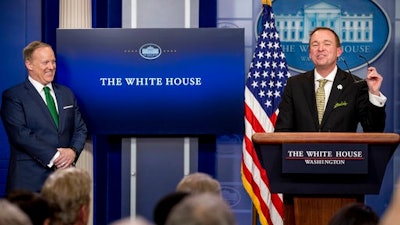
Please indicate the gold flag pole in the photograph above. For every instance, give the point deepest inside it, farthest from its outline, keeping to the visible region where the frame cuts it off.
(266, 2)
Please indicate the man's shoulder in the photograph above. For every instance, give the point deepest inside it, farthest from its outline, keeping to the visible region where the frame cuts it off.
(16, 89)
(62, 89)
(304, 76)
(60, 86)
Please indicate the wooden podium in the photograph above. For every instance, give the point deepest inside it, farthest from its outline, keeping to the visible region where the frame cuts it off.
(318, 173)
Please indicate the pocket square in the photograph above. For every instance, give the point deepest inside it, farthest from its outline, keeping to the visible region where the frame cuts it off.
(340, 104)
(68, 106)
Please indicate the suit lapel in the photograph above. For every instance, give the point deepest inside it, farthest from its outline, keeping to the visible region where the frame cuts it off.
(310, 91)
(39, 100)
(338, 85)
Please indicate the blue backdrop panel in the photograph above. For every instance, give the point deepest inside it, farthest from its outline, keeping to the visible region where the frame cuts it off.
(134, 81)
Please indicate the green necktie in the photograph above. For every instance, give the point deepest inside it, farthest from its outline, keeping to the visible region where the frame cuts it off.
(51, 105)
(320, 97)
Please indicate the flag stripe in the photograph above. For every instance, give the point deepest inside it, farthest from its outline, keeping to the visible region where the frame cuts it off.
(258, 179)
(265, 82)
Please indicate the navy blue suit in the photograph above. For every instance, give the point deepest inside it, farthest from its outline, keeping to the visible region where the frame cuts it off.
(33, 135)
(347, 106)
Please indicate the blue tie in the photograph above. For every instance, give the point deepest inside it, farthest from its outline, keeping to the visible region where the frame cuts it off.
(51, 105)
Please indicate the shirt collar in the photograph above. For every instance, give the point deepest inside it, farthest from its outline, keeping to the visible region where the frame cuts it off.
(330, 77)
(38, 86)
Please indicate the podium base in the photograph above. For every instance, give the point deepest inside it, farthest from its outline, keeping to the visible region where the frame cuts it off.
(311, 210)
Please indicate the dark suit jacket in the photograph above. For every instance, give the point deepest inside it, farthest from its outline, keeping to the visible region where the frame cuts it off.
(33, 135)
(347, 106)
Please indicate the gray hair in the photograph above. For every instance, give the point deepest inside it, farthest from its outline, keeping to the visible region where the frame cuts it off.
(202, 209)
(11, 214)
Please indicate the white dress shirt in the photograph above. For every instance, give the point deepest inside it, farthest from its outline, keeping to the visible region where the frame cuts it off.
(376, 100)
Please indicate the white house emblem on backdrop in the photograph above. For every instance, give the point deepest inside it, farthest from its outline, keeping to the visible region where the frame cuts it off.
(150, 51)
(362, 25)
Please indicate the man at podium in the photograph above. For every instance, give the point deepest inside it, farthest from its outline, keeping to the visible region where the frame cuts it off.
(329, 99)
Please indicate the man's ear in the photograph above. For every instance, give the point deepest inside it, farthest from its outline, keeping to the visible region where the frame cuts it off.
(46, 221)
(339, 51)
(84, 212)
(28, 64)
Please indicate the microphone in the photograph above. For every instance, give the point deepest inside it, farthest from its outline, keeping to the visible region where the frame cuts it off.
(348, 70)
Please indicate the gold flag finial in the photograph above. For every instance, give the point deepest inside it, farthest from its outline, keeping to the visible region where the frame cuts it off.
(266, 2)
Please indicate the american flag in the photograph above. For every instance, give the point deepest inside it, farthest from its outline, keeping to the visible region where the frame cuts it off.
(264, 86)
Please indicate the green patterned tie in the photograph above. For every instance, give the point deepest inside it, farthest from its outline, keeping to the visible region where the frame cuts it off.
(51, 105)
(320, 95)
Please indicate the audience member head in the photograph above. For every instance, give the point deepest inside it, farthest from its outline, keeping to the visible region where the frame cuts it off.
(199, 183)
(34, 205)
(132, 221)
(68, 193)
(10, 214)
(201, 209)
(165, 205)
(355, 214)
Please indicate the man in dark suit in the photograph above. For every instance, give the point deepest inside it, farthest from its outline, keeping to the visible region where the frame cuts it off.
(348, 99)
(39, 143)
